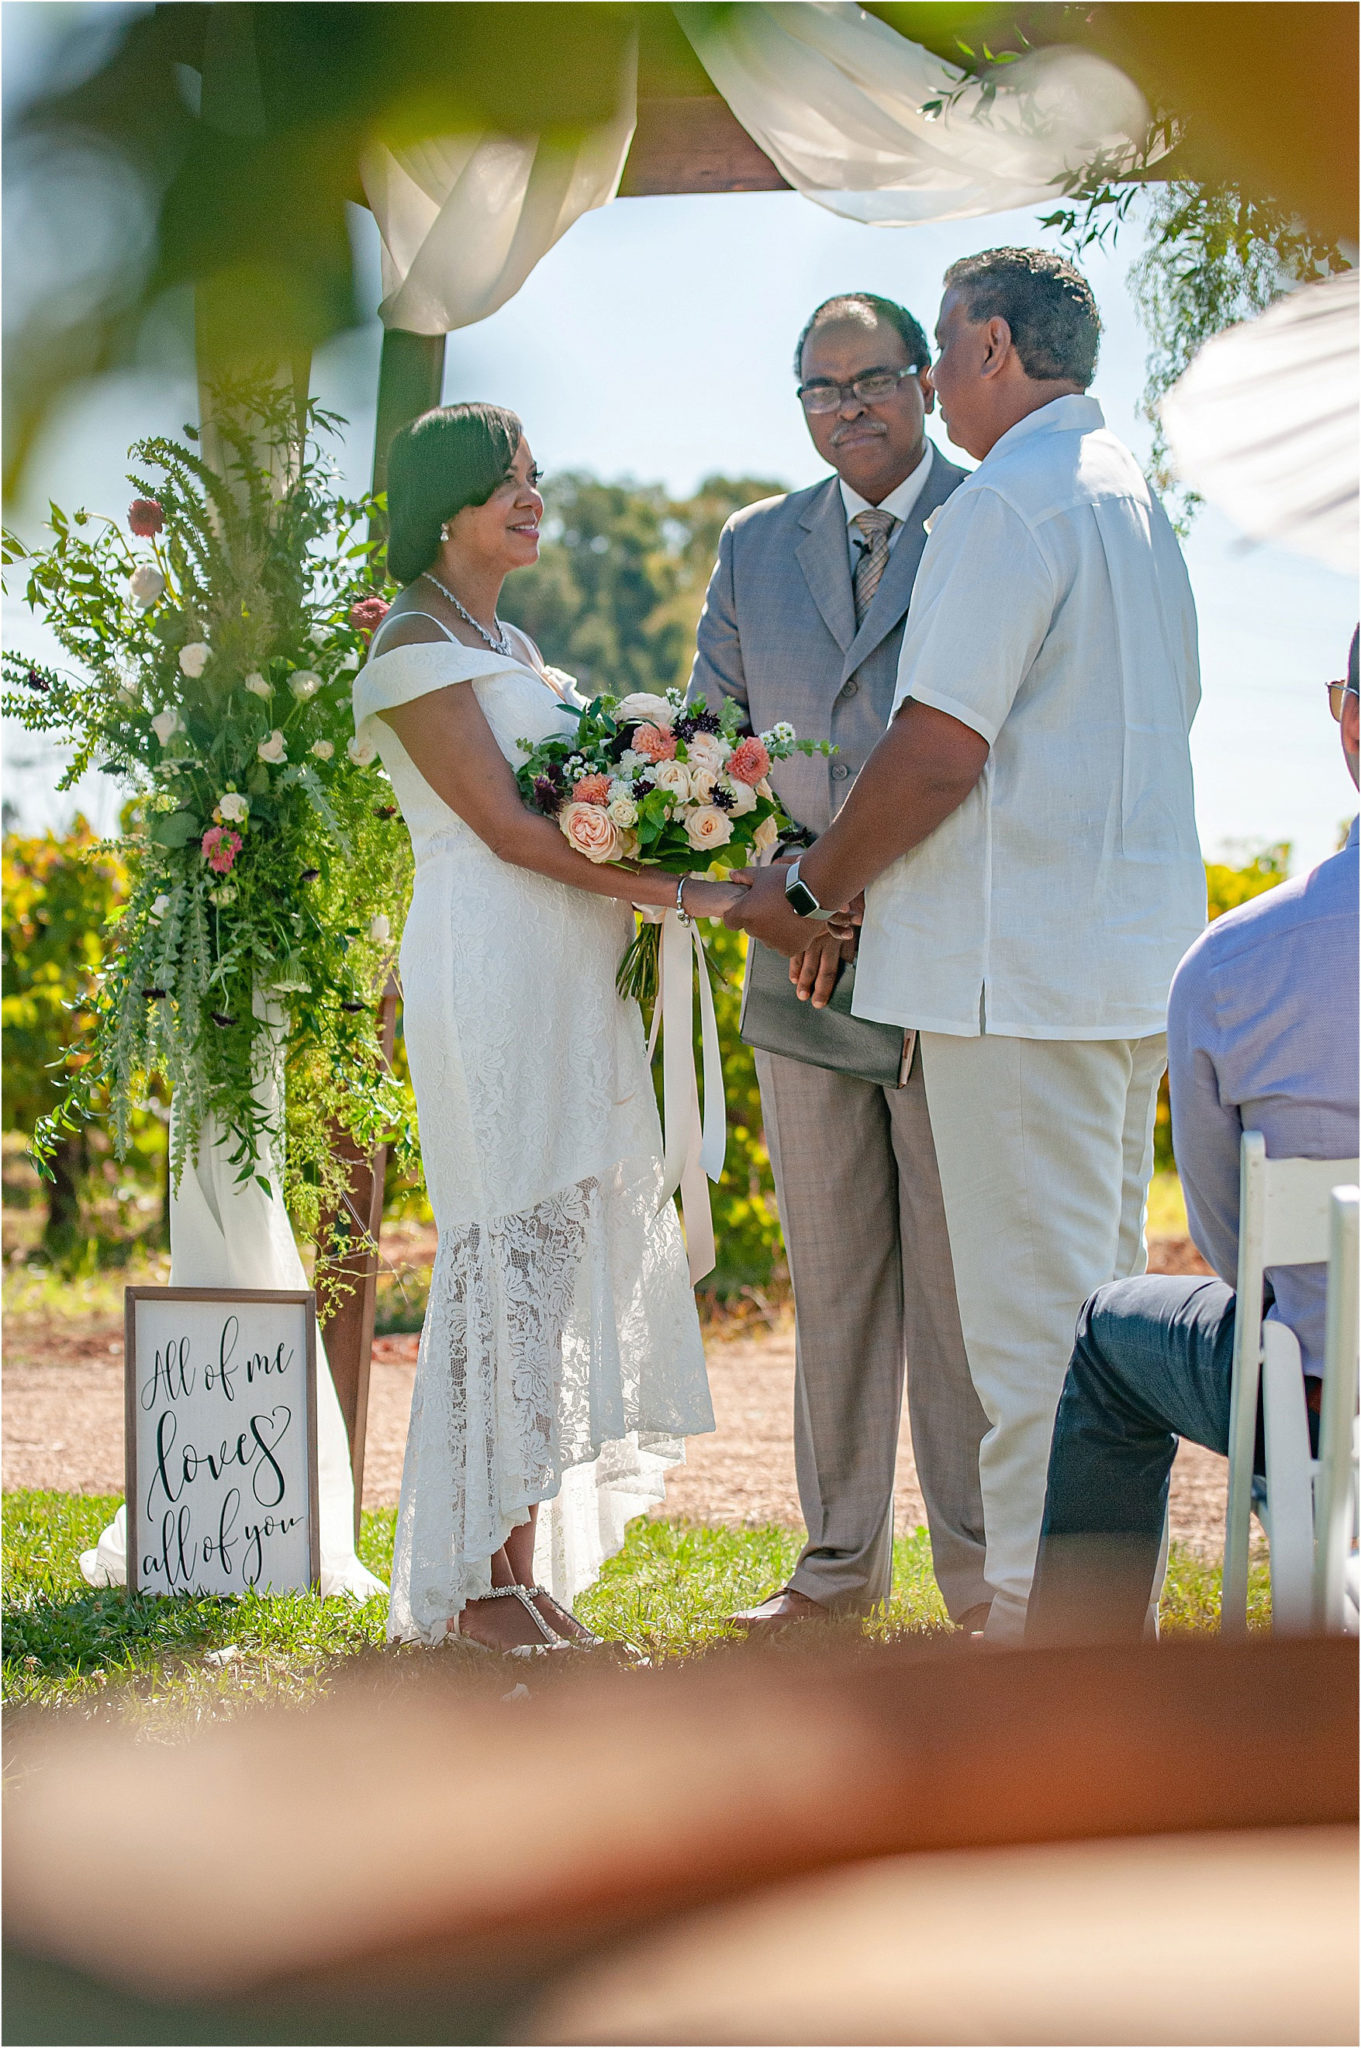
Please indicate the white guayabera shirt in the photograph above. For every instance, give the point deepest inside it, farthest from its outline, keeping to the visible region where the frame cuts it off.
(1053, 614)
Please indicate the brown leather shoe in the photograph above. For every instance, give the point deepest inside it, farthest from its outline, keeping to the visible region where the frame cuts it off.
(778, 1611)
(974, 1619)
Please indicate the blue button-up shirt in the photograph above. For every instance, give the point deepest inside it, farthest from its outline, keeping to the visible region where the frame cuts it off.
(1262, 1036)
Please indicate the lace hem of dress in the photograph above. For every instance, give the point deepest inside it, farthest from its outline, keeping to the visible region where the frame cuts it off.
(557, 1365)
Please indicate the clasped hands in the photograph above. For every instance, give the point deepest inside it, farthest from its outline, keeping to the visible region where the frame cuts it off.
(817, 951)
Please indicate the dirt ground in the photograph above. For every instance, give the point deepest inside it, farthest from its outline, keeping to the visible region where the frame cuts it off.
(63, 1426)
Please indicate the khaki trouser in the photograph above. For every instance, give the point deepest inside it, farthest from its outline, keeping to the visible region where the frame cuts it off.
(864, 1229)
(1045, 1149)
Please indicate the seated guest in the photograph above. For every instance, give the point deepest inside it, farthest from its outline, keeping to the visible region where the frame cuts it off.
(1262, 1036)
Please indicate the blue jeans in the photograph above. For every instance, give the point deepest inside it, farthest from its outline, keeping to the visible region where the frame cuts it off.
(1153, 1362)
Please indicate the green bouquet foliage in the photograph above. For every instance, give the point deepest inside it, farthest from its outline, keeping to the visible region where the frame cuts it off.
(268, 864)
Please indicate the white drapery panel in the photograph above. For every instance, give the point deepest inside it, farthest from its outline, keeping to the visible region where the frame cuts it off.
(835, 98)
(465, 218)
(1263, 423)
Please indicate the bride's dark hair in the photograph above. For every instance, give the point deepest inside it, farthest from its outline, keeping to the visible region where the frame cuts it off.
(448, 458)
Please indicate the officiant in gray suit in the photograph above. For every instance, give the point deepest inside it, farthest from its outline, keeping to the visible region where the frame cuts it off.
(803, 621)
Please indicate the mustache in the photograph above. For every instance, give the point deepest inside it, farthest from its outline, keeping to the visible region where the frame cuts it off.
(857, 427)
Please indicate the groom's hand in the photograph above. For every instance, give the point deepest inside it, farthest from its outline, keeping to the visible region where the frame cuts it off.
(764, 912)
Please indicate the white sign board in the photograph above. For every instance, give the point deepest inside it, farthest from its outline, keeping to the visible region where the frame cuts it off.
(221, 1440)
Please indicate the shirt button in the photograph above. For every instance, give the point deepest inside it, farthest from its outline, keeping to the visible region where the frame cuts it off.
(849, 689)
(839, 771)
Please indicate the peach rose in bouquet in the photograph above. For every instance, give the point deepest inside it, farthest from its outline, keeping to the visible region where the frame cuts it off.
(589, 829)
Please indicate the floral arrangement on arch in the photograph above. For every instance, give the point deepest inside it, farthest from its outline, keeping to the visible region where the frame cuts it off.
(215, 644)
(655, 781)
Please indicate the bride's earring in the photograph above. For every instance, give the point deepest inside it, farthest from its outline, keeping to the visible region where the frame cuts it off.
(444, 531)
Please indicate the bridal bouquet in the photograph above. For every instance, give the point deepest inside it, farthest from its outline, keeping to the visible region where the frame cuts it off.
(655, 781)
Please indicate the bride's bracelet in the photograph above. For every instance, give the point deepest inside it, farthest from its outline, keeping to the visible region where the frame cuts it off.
(681, 911)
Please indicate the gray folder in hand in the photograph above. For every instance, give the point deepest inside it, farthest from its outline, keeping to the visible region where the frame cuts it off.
(774, 1020)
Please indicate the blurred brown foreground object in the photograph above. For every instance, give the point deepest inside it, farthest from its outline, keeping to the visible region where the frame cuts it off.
(414, 1861)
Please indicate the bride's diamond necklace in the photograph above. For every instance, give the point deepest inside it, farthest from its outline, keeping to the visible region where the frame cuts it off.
(496, 641)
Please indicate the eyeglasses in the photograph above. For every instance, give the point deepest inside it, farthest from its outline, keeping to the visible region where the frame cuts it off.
(870, 389)
(1336, 692)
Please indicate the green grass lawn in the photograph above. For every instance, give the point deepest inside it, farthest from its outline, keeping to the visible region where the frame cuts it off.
(154, 1660)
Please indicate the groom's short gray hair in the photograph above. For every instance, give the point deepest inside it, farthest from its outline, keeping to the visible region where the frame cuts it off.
(869, 308)
(1046, 302)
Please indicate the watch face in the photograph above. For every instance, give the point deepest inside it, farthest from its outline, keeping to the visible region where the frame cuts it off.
(801, 899)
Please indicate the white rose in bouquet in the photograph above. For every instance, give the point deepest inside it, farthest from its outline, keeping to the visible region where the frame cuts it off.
(146, 584)
(642, 709)
(766, 836)
(166, 724)
(232, 807)
(703, 782)
(707, 750)
(742, 794)
(623, 812)
(257, 685)
(673, 777)
(706, 826)
(274, 749)
(194, 659)
(304, 684)
(361, 752)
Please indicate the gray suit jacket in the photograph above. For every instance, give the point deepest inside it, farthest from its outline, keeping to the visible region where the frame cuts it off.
(778, 633)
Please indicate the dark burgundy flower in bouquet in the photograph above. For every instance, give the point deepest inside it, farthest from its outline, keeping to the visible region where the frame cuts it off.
(145, 518)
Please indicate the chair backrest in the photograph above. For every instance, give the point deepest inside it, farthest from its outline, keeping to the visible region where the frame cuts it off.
(1284, 1219)
(1335, 1487)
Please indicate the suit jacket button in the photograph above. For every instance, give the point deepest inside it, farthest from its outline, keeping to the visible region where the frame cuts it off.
(839, 771)
(849, 689)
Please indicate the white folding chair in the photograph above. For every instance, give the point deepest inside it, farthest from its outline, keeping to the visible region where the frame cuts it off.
(1284, 1219)
(1337, 1581)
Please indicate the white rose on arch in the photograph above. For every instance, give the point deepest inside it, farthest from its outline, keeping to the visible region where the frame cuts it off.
(159, 906)
(166, 724)
(362, 752)
(232, 807)
(322, 749)
(274, 749)
(707, 826)
(194, 659)
(146, 584)
(304, 684)
(257, 685)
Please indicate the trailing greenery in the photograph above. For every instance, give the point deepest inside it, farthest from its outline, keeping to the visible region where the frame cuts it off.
(161, 1663)
(266, 882)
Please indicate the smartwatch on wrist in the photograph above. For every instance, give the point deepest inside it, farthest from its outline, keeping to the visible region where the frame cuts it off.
(799, 896)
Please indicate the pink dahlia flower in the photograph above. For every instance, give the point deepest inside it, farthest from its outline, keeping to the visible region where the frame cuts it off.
(368, 615)
(145, 518)
(592, 789)
(654, 744)
(220, 848)
(749, 762)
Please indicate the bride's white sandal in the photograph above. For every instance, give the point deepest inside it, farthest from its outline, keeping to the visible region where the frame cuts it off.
(551, 1641)
(585, 1640)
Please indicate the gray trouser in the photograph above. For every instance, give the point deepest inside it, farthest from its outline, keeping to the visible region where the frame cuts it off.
(869, 1257)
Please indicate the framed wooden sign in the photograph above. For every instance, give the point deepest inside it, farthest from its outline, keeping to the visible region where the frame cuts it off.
(221, 1440)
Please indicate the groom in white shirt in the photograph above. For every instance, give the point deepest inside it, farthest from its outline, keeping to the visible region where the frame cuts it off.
(1026, 832)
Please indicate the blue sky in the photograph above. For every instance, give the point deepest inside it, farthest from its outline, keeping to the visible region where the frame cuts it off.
(654, 342)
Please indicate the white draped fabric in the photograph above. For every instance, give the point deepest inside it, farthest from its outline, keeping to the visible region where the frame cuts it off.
(835, 98)
(832, 95)
(1263, 423)
(226, 1234)
(465, 218)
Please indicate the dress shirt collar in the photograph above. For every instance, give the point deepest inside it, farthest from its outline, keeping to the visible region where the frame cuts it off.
(1073, 413)
(898, 502)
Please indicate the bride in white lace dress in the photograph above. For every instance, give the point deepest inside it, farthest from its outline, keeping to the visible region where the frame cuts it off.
(560, 1365)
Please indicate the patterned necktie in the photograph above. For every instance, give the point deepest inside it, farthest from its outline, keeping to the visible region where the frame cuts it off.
(876, 528)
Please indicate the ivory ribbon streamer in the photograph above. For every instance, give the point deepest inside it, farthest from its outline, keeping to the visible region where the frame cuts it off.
(691, 1151)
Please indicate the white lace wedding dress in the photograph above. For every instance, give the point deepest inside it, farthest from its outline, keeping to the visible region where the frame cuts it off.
(560, 1360)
